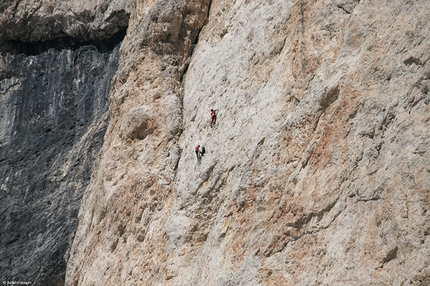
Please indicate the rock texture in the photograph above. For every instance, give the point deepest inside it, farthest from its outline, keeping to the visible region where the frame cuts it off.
(135, 179)
(315, 174)
(53, 119)
(53, 116)
(74, 20)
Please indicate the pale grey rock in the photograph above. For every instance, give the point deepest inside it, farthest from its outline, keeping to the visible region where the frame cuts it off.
(347, 5)
(314, 174)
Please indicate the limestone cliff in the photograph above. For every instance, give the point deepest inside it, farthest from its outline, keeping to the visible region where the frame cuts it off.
(316, 172)
(32, 21)
(54, 86)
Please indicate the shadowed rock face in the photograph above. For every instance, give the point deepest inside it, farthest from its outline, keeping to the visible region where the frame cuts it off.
(57, 60)
(35, 21)
(53, 116)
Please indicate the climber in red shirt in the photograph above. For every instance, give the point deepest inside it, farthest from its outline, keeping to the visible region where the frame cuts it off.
(198, 151)
(213, 116)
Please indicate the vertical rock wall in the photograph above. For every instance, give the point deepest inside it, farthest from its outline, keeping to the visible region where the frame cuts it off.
(132, 191)
(53, 121)
(315, 173)
(54, 88)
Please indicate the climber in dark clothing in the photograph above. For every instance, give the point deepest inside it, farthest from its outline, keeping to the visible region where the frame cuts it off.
(200, 152)
(213, 116)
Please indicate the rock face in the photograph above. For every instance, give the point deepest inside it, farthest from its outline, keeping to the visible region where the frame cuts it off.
(75, 20)
(136, 174)
(316, 172)
(53, 116)
(53, 119)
